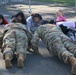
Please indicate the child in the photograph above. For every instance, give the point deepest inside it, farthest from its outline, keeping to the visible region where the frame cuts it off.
(20, 16)
(2, 20)
(61, 19)
(60, 16)
(33, 22)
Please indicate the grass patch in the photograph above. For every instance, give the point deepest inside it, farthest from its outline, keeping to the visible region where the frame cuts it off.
(68, 2)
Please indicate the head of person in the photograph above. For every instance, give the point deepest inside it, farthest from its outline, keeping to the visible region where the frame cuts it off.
(1, 19)
(36, 17)
(21, 17)
(15, 20)
(59, 13)
(64, 29)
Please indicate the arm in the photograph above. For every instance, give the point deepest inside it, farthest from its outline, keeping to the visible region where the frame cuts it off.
(1, 37)
(35, 41)
(29, 23)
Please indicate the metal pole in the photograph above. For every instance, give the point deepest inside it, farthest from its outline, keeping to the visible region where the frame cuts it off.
(29, 4)
(29, 10)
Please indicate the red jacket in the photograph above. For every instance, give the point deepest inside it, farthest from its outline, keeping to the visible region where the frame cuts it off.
(5, 22)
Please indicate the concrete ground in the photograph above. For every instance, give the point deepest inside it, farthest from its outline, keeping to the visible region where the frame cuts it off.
(42, 64)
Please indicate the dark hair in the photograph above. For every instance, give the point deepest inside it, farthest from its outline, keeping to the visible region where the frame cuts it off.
(36, 15)
(15, 20)
(1, 17)
(52, 22)
(23, 21)
(64, 28)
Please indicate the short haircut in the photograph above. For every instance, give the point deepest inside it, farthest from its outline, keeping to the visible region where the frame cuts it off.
(15, 20)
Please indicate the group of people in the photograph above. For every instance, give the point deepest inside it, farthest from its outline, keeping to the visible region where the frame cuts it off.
(21, 35)
(16, 36)
(68, 28)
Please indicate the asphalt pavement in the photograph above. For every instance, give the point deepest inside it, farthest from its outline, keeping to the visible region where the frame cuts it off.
(42, 64)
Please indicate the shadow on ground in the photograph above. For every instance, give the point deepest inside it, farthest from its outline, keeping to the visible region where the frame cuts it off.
(38, 65)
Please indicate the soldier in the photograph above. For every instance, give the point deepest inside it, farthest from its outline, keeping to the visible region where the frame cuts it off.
(14, 40)
(57, 43)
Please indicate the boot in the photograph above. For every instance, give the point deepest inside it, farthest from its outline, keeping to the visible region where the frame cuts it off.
(8, 60)
(20, 60)
(72, 61)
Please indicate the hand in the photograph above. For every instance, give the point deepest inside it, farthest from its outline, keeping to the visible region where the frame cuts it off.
(35, 49)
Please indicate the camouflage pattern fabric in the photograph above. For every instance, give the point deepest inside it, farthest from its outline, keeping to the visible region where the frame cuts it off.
(56, 42)
(1, 35)
(15, 39)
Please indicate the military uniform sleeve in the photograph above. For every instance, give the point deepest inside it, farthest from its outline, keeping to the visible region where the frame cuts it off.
(35, 40)
(1, 36)
(29, 19)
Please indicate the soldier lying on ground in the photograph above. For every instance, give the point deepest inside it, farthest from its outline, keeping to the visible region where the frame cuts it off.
(57, 43)
(14, 40)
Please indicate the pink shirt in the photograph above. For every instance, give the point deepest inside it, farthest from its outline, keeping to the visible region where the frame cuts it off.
(59, 19)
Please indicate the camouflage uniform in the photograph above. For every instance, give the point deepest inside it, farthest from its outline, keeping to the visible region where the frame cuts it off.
(15, 39)
(1, 35)
(56, 42)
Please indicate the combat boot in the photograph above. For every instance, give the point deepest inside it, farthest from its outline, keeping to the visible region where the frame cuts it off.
(72, 61)
(8, 60)
(20, 60)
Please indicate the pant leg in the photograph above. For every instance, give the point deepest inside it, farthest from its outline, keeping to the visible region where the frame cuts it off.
(69, 45)
(59, 49)
(9, 43)
(21, 42)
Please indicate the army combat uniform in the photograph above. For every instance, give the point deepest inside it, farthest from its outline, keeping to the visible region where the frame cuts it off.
(14, 40)
(57, 43)
(1, 35)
